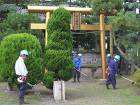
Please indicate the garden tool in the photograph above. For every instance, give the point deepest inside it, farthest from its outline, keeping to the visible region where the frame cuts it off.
(34, 84)
(84, 74)
(128, 79)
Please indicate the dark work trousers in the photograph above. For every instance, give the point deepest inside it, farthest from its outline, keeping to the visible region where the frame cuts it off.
(76, 72)
(111, 78)
(23, 87)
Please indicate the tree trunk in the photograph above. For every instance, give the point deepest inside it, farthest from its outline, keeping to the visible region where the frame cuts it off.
(122, 64)
(9, 87)
(126, 68)
(0, 79)
(132, 70)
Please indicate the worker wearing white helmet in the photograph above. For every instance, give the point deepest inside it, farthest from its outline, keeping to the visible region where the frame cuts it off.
(77, 67)
(21, 72)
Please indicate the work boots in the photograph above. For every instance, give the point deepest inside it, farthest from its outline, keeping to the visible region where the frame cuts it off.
(21, 101)
(74, 80)
(107, 87)
(78, 79)
(114, 88)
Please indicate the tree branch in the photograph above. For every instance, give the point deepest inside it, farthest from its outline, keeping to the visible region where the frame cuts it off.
(122, 53)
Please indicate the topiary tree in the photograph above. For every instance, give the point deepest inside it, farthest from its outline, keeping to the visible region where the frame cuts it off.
(58, 52)
(9, 52)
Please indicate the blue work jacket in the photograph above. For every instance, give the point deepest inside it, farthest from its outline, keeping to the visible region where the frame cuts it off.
(114, 66)
(78, 62)
(110, 60)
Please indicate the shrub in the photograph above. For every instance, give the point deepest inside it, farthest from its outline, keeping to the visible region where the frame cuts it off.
(137, 77)
(9, 52)
(93, 68)
(58, 52)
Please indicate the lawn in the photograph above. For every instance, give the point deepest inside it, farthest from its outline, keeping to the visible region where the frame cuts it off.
(88, 92)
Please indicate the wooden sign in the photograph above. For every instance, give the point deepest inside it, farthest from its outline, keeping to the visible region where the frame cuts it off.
(76, 20)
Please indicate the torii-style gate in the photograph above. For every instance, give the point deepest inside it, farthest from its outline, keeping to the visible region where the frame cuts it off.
(48, 10)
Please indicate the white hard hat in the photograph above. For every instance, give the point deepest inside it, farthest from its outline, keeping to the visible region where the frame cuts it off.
(80, 55)
(108, 55)
(117, 57)
(24, 52)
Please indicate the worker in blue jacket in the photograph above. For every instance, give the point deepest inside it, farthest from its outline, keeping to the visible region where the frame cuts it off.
(113, 71)
(109, 58)
(77, 67)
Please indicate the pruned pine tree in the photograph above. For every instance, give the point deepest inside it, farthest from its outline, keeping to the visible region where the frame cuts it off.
(126, 25)
(58, 52)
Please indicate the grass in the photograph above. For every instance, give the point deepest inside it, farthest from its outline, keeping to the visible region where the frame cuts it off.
(88, 93)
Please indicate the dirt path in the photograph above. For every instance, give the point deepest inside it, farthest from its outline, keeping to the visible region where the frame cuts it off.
(78, 93)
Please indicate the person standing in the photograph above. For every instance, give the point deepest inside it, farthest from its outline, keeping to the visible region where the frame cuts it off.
(113, 71)
(77, 67)
(21, 72)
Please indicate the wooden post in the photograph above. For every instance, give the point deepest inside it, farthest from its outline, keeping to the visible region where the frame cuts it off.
(111, 43)
(103, 50)
(47, 17)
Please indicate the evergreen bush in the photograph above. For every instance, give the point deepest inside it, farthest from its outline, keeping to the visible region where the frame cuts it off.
(93, 68)
(58, 52)
(9, 52)
(137, 78)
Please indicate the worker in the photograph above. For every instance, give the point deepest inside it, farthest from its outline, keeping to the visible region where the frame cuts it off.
(21, 72)
(77, 67)
(113, 71)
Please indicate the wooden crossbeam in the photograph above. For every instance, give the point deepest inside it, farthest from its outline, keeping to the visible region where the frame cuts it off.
(83, 26)
(84, 11)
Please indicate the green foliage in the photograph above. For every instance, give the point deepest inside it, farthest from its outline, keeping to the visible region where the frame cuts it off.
(93, 68)
(130, 6)
(5, 8)
(82, 3)
(56, 2)
(137, 78)
(21, 3)
(9, 51)
(21, 25)
(126, 25)
(48, 79)
(133, 53)
(89, 19)
(130, 0)
(126, 22)
(58, 52)
(105, 5)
